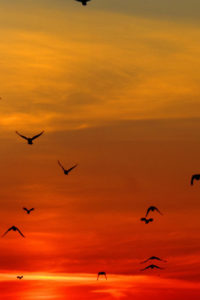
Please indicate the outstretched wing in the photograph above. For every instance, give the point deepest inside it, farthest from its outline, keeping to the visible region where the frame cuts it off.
(145, 261)
(150, 220)
(148, 210)
(143, 219)
(24, 137)
(69, 170)
(20, 232)
(24, 208)
(157, 267)
(36, 136)
(145, 268)
(31, 209)
(6, 232)
(158, 211)
(61, 165)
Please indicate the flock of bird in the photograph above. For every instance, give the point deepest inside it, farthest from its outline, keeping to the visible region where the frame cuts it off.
(145, 219)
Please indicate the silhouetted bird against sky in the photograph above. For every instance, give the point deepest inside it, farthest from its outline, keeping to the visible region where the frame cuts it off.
(28, 210)
(101, 274)
(151, 267)
(152, 208)
(153, 258)
(20, 277)
(195, 177)
(66, 172)
(14, 229)
(84, 2)
(146, 220)
(30, 140)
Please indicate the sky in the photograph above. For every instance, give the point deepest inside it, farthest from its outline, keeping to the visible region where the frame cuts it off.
(115, 87)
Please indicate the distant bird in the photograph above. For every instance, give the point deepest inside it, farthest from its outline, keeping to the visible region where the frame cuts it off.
(28, 210)
(30, 140)
(152, 208)
(146, 220)
(66, 172)
(101, 274)
(151, 267)
(20, 277)
(14, 229)
(84, 2)
(195, 177)
(153, 258)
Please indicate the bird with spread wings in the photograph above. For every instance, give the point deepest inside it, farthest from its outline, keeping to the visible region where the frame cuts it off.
(146, 220)
(151, 267)
(14, 228)
(28, 210)
(66, 171)
(152, 208)
(153, 258)
(30, 139)
(101, 274)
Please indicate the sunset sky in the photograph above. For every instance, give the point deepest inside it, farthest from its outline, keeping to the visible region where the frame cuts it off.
(115, 85)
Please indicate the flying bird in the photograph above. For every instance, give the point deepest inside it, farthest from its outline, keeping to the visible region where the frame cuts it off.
(152, 208)
(101, 274)
(14, 228)
(28, 210)
(151, 267)
(30, 140)
(146, 220)
(153, 258)
(66, 172)
(195, 177)
(20, 277)
(84, 2)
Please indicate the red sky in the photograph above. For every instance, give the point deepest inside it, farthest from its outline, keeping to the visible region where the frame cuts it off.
(121, 99)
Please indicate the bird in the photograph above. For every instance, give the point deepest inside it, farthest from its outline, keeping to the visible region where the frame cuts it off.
(66, 172)
(101, 274)
(20, 277)
(153, 258)
(151, 267)
(28, 210)
(146, 220)
(84, 2)
(195, 177)
(152, 208)
(30, 140)
(14, 228)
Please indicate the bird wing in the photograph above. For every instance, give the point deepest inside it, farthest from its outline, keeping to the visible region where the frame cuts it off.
(32, 209)
(24, 208)
(69, 170)
(145, 261)
(143, 219)
(7, 231)
(61, 165)
(150, 220)
(20, 232)
(148, 210)
(158, 211)
(192, 179)
(36, 136)
(157, 267)
(145, 268)
(24, 137)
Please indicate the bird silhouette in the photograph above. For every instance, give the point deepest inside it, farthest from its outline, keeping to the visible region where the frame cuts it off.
(28, 210)
(84, 2)
(101, 274)
(30, 140)
(146, 220)
(195, 177)
(152, 208)
(14, 228)
(153, 258)
(151, 267)
(20, 277)
(66, 172)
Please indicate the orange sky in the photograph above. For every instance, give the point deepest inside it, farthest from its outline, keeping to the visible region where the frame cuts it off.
(115, 86)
